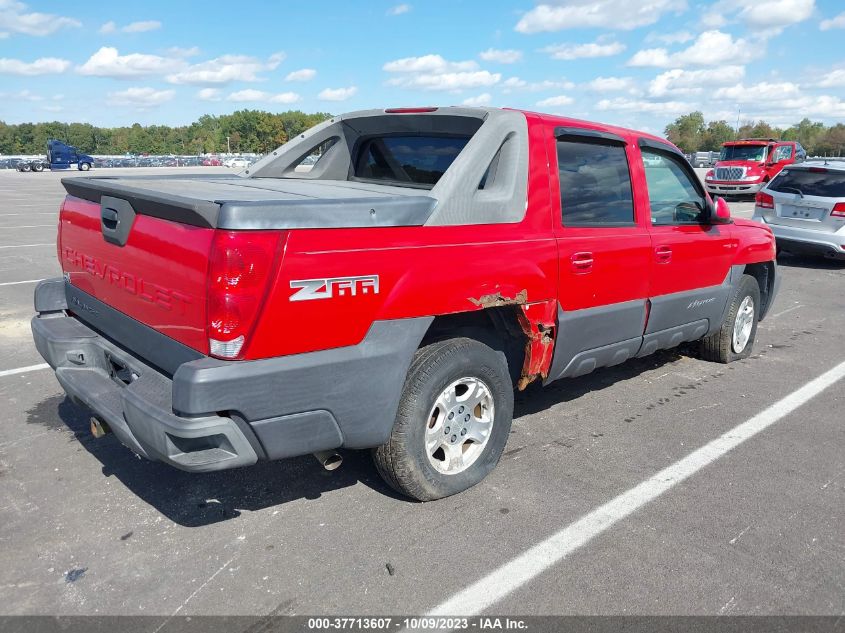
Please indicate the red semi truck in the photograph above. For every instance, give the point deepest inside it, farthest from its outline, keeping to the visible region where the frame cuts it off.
(391, 296)
(745, 166)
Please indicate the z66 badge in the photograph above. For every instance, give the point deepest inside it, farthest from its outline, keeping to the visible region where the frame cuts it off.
(308, 289)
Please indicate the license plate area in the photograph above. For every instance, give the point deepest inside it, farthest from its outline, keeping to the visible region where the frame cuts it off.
(802, 213)
(119, 371)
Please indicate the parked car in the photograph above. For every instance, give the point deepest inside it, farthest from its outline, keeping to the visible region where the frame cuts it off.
(704, 159)
(236, 162)
(392, 297)
(804, 206)
(212, 162)
(745, 166)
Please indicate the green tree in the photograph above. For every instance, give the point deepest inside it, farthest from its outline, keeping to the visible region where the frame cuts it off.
(687, 131)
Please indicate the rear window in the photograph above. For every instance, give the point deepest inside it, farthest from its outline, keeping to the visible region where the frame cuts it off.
(408, 160)
(595, 185)
(828, 184)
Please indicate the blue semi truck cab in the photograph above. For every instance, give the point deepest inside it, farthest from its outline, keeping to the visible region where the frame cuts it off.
(63, 156)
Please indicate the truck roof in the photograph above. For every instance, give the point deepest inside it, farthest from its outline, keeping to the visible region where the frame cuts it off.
(752, 141)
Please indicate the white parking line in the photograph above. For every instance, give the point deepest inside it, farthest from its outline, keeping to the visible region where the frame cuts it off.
(29, 226)
(18, 283)
(521, 570)
(27, 245)
(23, 370)
(3, 215)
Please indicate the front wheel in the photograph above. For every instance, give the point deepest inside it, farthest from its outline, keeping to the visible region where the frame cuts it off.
(735, 339)
(84, 166)
(453, 420)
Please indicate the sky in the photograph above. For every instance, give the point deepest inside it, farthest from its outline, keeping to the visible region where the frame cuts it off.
(635, 63)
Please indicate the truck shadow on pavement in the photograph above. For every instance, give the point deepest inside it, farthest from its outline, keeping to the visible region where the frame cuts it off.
(198, 499)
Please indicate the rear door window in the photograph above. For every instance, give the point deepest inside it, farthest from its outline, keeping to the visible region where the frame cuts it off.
(595, 184)
(823, 182)
(418, 161)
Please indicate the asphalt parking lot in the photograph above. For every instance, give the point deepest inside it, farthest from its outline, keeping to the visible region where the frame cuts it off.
(87, 528)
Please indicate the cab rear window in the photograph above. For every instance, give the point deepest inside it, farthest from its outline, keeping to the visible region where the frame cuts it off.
(408, 160)
(826, 183)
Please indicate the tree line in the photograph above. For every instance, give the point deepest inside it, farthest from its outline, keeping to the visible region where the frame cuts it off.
(692, 133)
(248, 131)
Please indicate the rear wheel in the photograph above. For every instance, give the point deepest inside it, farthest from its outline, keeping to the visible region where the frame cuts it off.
(735, 339)
(453, 421)
(24, 167)
(37, 167)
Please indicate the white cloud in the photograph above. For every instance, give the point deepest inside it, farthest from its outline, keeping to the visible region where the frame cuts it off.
(225, 69)
(554, 102)
(568, 52)
(337, 94)
(837, 22)
(512, 84)
(759, 93)
(429, 64)
(304, 74)
(142, 27)
(209, 94)
(52, 108)
(399, 9)
(711, 48)
(433, 72)
(611, 14)
(833, 79)
(768, 17)
(611, 84)
(652, 107)
(678, 81)
(22, 95)
(508, 56)
(481, 100)
(250, 94)
(108, 27)
(178, 51)
(679, 37)
(15, 18)
(140, 98)
(108, 62)
(447, 81)
(41, 66)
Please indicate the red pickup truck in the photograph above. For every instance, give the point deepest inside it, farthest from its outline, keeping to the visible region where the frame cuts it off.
(384, 281)
(746, 165)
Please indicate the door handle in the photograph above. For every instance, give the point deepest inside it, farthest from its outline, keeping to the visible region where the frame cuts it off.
(663, 254)
(582, 262)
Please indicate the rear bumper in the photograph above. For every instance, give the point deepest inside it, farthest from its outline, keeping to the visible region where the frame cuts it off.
(807, 241)
(733, 188)
(212, 414)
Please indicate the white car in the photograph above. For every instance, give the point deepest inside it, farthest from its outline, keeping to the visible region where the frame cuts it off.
(239, 163)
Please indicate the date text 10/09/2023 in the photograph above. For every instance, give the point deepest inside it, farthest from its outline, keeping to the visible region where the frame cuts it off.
(417, 623)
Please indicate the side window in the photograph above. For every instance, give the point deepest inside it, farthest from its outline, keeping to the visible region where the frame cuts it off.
(784, 152)
(595, 184)
(672, 194)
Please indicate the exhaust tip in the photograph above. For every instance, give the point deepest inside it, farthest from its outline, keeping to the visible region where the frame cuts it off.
(330, 460)
(99, 428)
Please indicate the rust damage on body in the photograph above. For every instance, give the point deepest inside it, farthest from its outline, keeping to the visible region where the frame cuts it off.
(498, 299)
(537, 322)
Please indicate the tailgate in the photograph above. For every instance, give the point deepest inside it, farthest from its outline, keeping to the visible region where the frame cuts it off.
(157, 277)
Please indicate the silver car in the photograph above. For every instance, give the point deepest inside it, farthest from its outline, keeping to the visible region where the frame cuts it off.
(804, 205)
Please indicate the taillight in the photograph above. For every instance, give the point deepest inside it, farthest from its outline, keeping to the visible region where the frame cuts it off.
(239, 270)
(764, 201)
(838, 210)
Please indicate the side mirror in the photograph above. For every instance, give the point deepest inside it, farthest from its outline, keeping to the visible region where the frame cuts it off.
(720, 212)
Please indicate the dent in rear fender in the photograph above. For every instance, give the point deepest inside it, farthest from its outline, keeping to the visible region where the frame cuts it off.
(359, 385)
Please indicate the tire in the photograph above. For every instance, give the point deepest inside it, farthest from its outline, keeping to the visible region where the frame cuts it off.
(723, 346)
(84, 166)
(457, 366)
(37, 167)
(25, 167)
